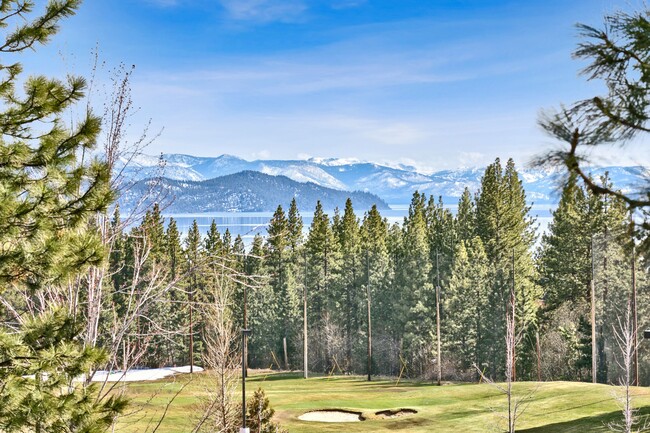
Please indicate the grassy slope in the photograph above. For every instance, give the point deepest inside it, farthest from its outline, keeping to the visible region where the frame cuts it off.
(556, 407)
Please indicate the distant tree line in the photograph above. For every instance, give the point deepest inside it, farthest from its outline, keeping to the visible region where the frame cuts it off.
(345, 262)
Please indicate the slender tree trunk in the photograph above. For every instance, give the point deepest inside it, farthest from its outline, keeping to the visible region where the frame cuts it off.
(369, 320)
(539, 357)
(286, 356)
(305, 353)
(513, 300)
(245, 340)
(594, 355)
(192, 324)
(439, 354)
(635, 345)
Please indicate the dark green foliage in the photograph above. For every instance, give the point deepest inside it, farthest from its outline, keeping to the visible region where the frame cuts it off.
(507, 234)
(48, 198)
(259, 414)
(465, 303)
(40, 369)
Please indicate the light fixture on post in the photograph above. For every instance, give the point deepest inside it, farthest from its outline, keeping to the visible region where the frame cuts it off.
(244, 334)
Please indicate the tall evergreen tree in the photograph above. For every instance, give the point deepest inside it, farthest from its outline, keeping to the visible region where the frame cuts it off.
(174, 249)
(195, 286)
(349, 295)
(507, 233)
(321, 255)
(466, 217)
(375, 258)
(294, 226)
(213, 242)
(281, 272)
(466, 305)
(416, 286)
(48, 195)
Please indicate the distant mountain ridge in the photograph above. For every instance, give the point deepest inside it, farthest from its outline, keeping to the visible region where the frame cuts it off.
(246, 191)
(393, 184)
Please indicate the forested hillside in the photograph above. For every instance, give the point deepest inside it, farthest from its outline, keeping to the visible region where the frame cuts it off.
(346, 268)
(246, 191)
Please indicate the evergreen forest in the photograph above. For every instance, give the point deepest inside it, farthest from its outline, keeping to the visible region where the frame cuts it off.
(355, 274)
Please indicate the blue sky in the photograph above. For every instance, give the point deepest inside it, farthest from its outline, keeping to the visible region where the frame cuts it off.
(437, 84)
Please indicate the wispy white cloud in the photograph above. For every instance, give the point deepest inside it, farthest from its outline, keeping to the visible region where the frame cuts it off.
(265, 10)
(347, 4)
(163, 3)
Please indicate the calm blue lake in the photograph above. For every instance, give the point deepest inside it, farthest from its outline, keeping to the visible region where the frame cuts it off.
(248, 224)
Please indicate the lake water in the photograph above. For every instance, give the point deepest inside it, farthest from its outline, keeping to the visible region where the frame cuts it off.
(248, 224)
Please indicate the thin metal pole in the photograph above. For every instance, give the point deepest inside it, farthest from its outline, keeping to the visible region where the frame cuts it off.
(369, 318)
(513, 299)
(191, 320)
(245, 341)
(305, 357)
(243, 378)
(594, 365)
(635, 343)
(191, 334)
(539, 357)
(438, 320)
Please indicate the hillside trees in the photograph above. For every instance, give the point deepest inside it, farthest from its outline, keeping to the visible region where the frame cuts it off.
(465, 303)
(48, 198)
(588, 239)
(343, 259)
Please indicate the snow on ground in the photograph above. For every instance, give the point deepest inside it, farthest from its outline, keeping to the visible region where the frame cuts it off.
(138, 375)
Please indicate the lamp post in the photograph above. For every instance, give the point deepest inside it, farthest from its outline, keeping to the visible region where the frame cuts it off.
(244, 334)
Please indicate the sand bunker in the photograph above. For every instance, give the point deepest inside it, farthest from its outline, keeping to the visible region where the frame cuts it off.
(395, 413)
(331, 415)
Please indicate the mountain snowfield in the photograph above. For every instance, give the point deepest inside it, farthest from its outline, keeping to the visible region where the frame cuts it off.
(395, 185)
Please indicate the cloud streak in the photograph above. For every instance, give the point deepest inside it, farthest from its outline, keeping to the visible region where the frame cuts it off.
(265, 10)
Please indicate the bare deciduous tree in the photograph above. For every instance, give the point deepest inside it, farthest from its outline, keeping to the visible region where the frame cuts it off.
(624, 333)
(516, 404)
(223, 358)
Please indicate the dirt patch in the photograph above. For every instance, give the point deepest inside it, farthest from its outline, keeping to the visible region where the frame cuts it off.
(332, 415)
(395, 413)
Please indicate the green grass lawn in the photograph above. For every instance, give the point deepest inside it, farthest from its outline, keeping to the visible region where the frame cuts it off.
(555, 406)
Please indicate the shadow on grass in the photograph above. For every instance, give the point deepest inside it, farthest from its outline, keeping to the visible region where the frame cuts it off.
(591, 424)
(272, 377)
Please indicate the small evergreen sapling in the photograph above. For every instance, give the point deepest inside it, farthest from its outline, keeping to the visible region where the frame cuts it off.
(260, 414)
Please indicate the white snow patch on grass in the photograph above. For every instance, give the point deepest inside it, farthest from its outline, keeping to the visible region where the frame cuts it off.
(141, 375)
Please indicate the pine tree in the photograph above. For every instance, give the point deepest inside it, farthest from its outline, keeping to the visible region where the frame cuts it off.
(466, 217)
(465, 303)
(565, 263)
(260, 308)
(378, 273)
(195, 290)
(416, 287)
(506, 231)
(174, 249)
(294, 226)
(281, 272)
(349, 295)
(321, 255)
(47, 199)
(213, 242)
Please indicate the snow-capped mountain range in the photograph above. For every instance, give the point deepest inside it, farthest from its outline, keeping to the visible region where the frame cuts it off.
(393, 184)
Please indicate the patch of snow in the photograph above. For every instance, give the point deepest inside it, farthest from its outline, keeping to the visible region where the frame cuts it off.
(335, 162)
(139, 375)
(305, 174)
